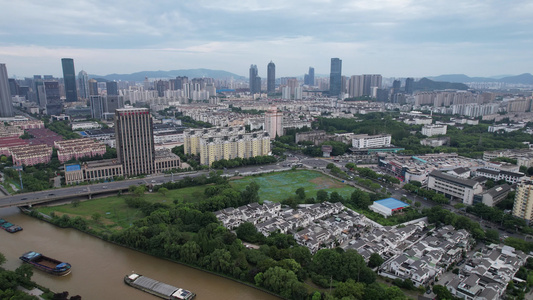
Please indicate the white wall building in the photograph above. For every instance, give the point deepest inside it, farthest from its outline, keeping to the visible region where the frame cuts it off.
(273, 122)
(431, 130)
(362, 141)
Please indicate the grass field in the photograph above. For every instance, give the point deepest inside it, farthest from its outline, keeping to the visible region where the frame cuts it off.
(278, 186)
(115, 214)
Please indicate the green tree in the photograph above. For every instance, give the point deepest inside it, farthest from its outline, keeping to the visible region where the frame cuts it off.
(96, 217)
(350, 166)
(321, 196)
(300, 192)
(442, 292)
(360, 199)
(375, 260)
(278, 280)
(247, 232)
(189, 252)
(163, 191)
(139, 190)
(24, 273)
(351, 289)
(492, 235)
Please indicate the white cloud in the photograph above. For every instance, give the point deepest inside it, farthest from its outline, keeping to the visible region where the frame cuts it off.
(395, 37)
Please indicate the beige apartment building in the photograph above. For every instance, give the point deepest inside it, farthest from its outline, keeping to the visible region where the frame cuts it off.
(523, 201)
(225, 143)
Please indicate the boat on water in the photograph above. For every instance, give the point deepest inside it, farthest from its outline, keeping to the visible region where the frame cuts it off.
(46, 264)
(9, 227)
(157, 288)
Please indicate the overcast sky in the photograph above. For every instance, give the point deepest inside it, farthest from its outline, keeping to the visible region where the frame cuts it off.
(395, 38)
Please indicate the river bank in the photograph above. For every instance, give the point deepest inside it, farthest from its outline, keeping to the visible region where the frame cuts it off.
(99, 266)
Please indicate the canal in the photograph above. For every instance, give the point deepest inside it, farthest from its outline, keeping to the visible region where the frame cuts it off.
(98, 267)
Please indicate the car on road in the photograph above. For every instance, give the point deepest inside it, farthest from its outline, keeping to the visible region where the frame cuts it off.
(51, 194)
(104, 187)
(24, 199)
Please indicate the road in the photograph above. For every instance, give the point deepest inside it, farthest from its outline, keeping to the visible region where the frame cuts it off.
(311, 163)
(25, 199)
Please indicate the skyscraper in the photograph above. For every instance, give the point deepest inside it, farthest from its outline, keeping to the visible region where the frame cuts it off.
(367, 84)
(135, 140)
(6, 103)
(39, 89)
(52, 95)
(355, 87)
(409, 85)
(112, 88)
(271, 78)
(83, 83)
(93, 87)
(69, 77)
(253, 80)
(311, 77)
(97, 106)
(273, 122)
(396, 84)
(335, 77)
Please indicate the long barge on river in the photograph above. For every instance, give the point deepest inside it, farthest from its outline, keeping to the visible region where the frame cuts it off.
(157, 288)
(11, 228)
(46, 264)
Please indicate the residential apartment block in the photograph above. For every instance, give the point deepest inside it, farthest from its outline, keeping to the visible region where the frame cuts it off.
(31, 154)
(225, 143)
(523, 201)
(78, 148)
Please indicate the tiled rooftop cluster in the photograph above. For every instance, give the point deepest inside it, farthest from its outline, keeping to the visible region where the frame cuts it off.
(269, 217)
(325, 225)
(428, 257)
(331, 231)
(253, 213)
(44, 136)
(486, 275)
(386, 241)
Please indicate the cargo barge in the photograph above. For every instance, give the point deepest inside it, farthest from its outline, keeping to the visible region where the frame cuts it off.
(9, 227)
(157, 288)
(46, 264)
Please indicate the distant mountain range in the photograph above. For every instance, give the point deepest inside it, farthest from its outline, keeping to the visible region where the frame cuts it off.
(425, 84)
(525, 78)
(191, 73)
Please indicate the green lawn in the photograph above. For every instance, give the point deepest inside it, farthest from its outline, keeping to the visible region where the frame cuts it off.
(115, 214)
(113, 210)
(278, 186)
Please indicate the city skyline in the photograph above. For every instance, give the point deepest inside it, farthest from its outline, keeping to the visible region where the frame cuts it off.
(396, 38)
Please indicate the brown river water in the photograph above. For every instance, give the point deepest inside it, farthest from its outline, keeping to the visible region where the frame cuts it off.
(98, 267)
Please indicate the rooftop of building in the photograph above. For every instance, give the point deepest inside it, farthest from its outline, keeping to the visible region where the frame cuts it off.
(460, 181)
(392, 203)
